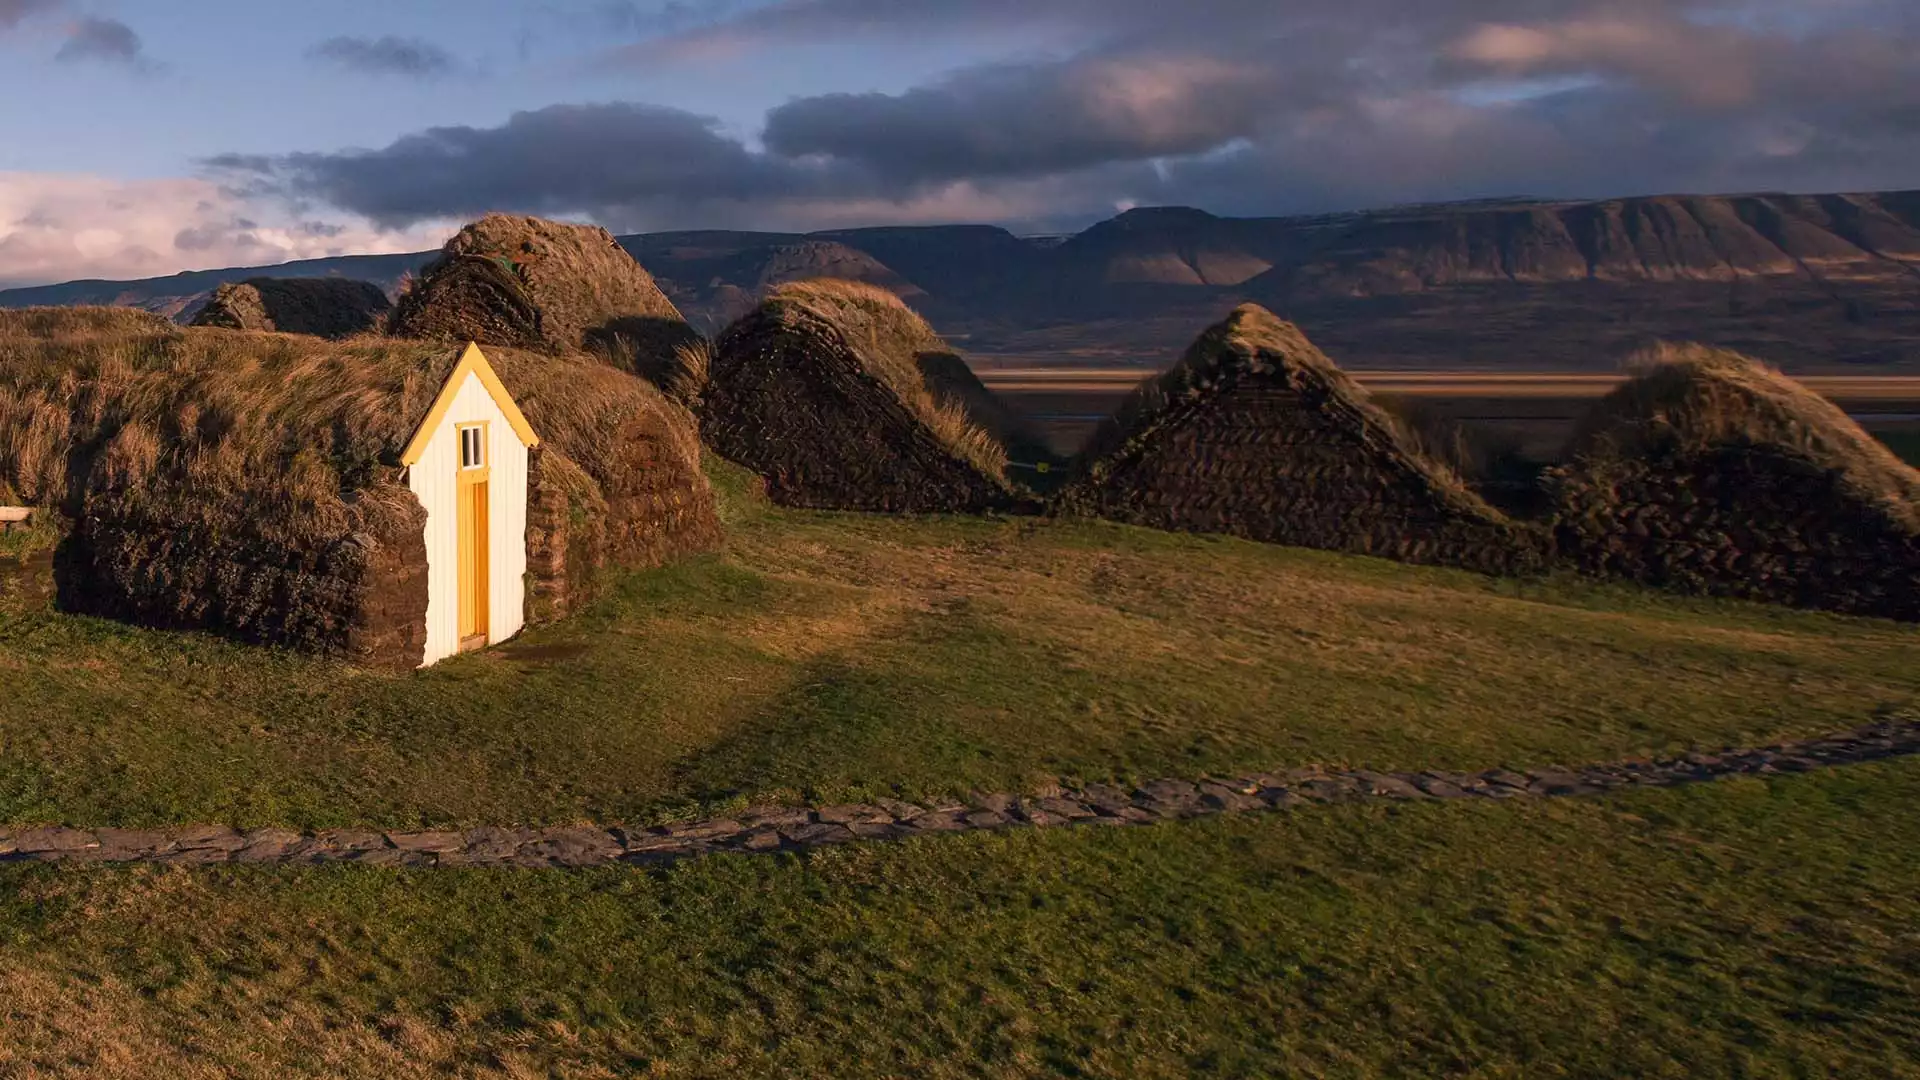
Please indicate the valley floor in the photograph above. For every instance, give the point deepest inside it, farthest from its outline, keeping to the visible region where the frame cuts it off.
(1750, 926)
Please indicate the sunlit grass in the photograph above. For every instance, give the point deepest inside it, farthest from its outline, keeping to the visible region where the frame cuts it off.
(832, 656)
(1744, 928)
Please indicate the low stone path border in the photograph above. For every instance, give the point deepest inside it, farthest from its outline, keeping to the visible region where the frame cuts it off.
(772, 829)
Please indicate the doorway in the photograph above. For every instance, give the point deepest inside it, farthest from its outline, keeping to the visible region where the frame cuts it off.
(471, 498)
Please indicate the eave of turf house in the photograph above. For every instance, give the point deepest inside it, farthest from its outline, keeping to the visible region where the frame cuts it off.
(309, 494)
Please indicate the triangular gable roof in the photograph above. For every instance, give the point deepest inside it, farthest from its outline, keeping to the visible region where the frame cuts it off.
(471, 362)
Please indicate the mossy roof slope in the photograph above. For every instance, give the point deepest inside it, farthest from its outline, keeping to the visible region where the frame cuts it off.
(1688, 398)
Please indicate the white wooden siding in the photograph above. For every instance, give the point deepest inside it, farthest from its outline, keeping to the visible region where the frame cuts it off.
(433, 480)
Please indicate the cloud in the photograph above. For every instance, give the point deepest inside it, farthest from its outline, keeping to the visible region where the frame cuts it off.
(15, 12)
(1030, 120)
(691, 32)
(1710, 66)
(387, 55)
(630, 167)
(1243, 106)
(565, 159)
(104, 40)
(64, 226)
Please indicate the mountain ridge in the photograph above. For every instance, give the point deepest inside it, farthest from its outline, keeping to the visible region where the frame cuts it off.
(1807, 281)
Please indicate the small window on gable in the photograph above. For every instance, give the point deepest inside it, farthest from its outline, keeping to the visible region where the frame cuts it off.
(473, 447)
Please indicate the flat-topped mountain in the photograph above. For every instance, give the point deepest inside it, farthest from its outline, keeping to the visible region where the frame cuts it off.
(1653, 239)
(1174, 245)
(1812, 282)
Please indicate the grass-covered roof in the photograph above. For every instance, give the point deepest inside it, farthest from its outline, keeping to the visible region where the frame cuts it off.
(892, 343)
(328, 307)
(1688, 397)
(531, 283)
(278, 426)
(1253, 341)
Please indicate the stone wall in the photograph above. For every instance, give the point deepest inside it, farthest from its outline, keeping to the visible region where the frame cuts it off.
(548, 589)
(360, 594)
(1751, 521)
(648, 507)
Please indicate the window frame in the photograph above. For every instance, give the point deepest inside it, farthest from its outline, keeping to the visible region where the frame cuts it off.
(480, 446)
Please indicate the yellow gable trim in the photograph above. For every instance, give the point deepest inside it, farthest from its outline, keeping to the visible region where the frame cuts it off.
(471, 362)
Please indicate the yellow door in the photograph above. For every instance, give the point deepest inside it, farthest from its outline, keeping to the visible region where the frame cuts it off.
(471, 499)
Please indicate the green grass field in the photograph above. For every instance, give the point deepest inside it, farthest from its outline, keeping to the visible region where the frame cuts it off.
(1749, 928)
(825, 657)
(1741, 929)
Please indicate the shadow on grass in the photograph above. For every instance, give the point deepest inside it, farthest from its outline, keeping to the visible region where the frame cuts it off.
(834, 728)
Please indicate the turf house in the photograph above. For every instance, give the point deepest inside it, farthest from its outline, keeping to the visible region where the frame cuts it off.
(1709, 472)
(388, 502)
(1256, 433)
(543, 286)
(841, 397)
(326, 307)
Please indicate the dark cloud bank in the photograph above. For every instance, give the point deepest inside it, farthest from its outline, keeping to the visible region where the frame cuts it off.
(386, 55)
(1240, 106)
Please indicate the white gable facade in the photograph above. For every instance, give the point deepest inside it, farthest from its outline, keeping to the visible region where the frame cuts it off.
(468, 466)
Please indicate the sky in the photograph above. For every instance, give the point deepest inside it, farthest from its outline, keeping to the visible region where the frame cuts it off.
(145, 137)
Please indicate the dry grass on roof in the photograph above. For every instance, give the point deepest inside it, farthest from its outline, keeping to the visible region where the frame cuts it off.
(889, 339)
(573, 401)
(291, 428)
(1690, 397)
(887, 334)
(530, 283)
(52, 322)
(1709, 472)
(1256, 433)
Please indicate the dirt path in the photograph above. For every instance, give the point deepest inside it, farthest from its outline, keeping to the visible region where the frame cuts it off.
(794, 828)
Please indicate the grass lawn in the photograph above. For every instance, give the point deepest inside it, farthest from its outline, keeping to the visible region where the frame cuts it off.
(828, 656)
(1749, 928)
